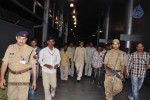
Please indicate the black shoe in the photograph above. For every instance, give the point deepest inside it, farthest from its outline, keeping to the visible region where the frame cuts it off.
(78, 81)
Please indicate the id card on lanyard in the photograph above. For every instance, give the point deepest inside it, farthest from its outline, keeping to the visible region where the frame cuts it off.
(22, 60)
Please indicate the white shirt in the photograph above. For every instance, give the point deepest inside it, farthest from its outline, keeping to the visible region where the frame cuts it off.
(72, 50)
(51, 57)
(90, 51)
(126, 58)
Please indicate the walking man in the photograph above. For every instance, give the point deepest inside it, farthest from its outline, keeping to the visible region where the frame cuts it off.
(49, 59)
(71, 49)
(80, 60)
(36, 51)
(19, 59)
(90, 51)
(65, 63)
(137, 66)
(115, 62)
(97, 62)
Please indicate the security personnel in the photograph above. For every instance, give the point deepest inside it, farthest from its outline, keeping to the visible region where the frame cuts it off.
(114, 60)
(19, 59)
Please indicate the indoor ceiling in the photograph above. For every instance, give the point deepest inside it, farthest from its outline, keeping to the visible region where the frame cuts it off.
(90, 13)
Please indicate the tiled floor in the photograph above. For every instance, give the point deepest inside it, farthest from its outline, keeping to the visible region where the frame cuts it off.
(71, 90)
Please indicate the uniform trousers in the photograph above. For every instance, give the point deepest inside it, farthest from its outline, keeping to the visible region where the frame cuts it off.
(18, 86)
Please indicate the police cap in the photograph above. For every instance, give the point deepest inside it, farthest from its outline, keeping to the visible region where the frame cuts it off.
(116, 40)
(22, 33)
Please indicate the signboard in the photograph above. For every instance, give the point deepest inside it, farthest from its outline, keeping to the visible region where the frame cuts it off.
(104, 41)
(125, 37)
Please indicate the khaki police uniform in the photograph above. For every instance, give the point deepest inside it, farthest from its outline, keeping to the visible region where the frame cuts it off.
(18, 59)
(110, 60)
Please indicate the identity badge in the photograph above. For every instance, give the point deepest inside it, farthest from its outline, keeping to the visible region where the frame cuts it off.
(22, 60)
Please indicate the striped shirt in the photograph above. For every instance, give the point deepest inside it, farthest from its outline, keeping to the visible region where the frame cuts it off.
(136, 64)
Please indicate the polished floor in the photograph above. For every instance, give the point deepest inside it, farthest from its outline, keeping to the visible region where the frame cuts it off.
(71, 90)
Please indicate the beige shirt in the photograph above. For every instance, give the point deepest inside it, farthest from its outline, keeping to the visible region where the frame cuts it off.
(80, 55)
(111, 58)
(65, 56)
(13, 56)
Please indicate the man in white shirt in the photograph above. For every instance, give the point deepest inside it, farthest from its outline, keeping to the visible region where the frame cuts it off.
(49, 59)
(80, 60)
(90, 51)
(71, 49)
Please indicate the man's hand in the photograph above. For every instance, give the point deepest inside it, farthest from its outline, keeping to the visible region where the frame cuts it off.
(56, 66)
(2, 84)
(34, 86)
(128, 76)
(48, 66)
(145, 66)
(122, 77)
(108, 73)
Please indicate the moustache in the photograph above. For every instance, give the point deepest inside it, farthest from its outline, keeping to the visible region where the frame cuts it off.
(20, 42)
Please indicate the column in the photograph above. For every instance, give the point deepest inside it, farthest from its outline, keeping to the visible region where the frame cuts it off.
(45, 21)
(128, 29)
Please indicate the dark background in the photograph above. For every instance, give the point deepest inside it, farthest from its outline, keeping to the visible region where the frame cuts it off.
(90, 14)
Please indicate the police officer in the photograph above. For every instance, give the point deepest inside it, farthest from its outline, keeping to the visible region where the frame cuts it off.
(19, 59)
(114, 60)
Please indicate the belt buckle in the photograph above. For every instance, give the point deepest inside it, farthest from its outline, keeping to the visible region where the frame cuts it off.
(17, 72)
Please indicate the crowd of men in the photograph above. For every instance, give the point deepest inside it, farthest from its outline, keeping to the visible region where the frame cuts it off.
(107, 66)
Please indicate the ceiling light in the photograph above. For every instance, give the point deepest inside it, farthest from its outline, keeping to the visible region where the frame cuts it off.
(93, 35)
(56, 22)
(71, 5)
(49, 14)
(56, 18)
(39, 4)
(73, 16)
